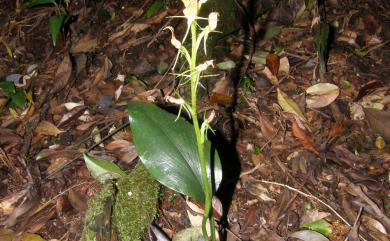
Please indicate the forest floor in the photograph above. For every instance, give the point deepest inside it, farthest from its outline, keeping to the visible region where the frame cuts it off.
(327, 161)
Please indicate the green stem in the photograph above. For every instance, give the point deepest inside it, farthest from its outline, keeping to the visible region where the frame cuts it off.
(195, 75)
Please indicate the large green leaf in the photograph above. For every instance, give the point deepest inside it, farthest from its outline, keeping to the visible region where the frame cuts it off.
(169, 151)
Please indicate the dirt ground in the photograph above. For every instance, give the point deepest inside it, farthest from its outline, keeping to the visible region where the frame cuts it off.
(281, 171)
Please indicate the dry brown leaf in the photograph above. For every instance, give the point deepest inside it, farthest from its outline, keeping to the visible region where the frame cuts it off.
(306, 141)
(284, 67)
(63, 74)
(8, 136)
(77, 200)
(273, 79)
(117, 144)
(71, 115)
(321, 95)
(86, 44)
(48, 128)
(267, 129)
(313, 216)
(220, 99)
(337, 129)
(273, 63)
(379, 121)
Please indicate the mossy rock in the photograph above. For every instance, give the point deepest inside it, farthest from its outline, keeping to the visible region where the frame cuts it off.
(134, 206)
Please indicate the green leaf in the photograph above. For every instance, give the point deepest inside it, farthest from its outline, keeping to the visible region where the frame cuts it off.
(345, 84)
(168, 149)
(320, 226)
(103, 170)
(18, 99)
(273, 31)
(162, 67)
(8, 87)
(37, 3)
(55, 25)
(155, 8)
(288, 105)
(322, 36)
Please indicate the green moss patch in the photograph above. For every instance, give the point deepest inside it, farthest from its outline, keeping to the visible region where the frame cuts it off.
(134, 206)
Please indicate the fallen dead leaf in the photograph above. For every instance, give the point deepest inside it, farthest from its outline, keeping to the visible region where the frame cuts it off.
(313, 216)
(86, 44)
(306, 141)
(289, 105)
(284, 67)
(220, 99)
(99, 76)
(117, 144)
(379, 121)
(337, 129)
(321, 95)
(77, 200)
(308, 235)
(273, 63)
(273, 79)
(63, 74)
(48, 128)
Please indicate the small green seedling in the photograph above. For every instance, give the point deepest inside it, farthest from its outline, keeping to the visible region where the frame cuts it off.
(16, 97)
(322, 37)
(57, 21)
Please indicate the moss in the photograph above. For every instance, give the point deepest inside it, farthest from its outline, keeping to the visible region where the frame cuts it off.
(95, 212)
(136, 204)
(134, 208)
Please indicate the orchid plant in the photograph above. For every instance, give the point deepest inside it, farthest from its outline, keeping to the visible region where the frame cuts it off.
(193, 76)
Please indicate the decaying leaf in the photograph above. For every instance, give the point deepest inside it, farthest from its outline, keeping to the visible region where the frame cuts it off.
(48, 128)
(63, 74)
(313, 216)
(273, 63)
(306, 141)
(379, 121)
(77, 200)
(308, 235)
(273, 79)
(289, 105)
(284, 67)
(84, 45)
(321, 95)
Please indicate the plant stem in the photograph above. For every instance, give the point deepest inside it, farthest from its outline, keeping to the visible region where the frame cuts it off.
(195, 75)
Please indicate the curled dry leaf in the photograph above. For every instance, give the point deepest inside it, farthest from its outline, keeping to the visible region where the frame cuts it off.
(313, 216)
(86, 44)
(77, 200)
(63, 74)
(289, 105)
(273, 63)
(306, 141)
(47, 128)
(273, 79)
(321, 95)
(284, 67)
(379, 121)
(308, 235)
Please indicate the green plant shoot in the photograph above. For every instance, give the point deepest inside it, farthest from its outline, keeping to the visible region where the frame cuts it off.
(322, 36)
